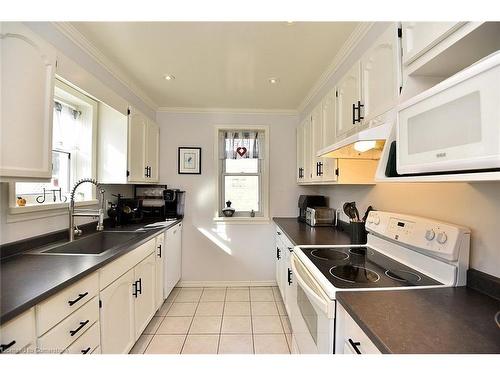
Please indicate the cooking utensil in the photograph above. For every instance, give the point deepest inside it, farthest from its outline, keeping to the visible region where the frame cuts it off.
(370, 208)
(355, 211)
(351, 211)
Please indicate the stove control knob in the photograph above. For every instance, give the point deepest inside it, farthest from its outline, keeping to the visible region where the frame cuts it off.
(442, 238)
(429, 234)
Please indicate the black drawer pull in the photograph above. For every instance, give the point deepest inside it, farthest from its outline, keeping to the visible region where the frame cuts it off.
(159, 250)
(4, 347)
(353, 113)
(85, 351)
(82, 324)
(359, 111)
(290, 249)
(278, 233)
(80, 296)
(355, 346)
(289, 276)
(278, 253)
(134, 285)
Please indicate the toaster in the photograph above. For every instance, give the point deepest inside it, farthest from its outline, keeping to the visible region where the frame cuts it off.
(320, 216)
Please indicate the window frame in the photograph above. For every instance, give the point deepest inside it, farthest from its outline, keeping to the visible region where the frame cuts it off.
(263, 165)
(62, 92)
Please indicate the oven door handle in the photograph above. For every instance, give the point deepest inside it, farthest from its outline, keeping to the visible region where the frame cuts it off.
(323, 302)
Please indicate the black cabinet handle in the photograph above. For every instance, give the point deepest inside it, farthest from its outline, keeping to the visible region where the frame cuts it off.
(82, 324)
(4, 347)
(159, 250)
(289, 276)
(139, 289)
(359, 111)
(278, 253)
(80, 296)
(149, 172)
(290, 249)
(355, 346)
(145, 171)
(85, 351)
(353, 113)
(278, 233)
(320, 169)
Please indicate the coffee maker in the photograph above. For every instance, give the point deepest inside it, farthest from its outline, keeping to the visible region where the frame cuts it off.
(174, 203)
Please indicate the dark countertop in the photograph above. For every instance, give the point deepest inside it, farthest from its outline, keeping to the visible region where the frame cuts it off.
(302, 234)
(27, 278)
(438, 320)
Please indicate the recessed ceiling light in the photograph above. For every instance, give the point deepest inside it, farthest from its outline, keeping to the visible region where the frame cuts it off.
(273, 80)
(169, 77)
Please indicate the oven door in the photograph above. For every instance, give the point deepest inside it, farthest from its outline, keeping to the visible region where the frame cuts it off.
(454, 125)
(313, 314)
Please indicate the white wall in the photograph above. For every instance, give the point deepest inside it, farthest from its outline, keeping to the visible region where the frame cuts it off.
(217, 251)
(476, 206)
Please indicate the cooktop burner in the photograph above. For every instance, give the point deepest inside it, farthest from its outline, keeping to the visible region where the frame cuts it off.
(360, 251)
(354, 274)
(329, 254)
(402, 275)
(363, 267)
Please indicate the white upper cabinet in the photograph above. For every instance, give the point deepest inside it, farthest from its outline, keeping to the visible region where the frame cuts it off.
(300, 153)
(381, 75)
(28, 66)
(419, 37)
(317, 141)
(329, 108)
(152, 150)
(348, 96)
(137, 125)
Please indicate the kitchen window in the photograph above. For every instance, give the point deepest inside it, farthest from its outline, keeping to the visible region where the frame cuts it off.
(73, 154)
(243, 172)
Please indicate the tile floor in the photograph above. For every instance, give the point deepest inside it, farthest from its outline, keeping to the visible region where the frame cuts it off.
(242, 320)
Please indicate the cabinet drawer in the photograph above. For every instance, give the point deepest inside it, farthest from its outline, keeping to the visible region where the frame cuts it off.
(70, 329)
(114, 270)
(56, 308)
(18, 333)
(86, 343)
(356, 338)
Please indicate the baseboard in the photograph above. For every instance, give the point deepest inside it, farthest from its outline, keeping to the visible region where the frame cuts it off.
(223, 284)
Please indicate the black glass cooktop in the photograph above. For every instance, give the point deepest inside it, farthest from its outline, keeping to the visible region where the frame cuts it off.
(363, 267)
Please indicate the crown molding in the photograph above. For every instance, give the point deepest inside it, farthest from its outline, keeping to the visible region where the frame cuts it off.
(249, 111)
(81, 41)
(358, 33)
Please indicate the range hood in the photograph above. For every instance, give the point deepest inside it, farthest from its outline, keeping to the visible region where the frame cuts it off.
(365, 144)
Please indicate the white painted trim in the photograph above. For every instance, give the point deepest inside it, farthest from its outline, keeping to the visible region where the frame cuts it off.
(252, 111)
(224, 284)
(359, 32)
(81, 41)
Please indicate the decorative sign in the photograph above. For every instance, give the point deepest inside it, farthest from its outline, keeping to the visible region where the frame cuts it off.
(189, 160)
(241, 151)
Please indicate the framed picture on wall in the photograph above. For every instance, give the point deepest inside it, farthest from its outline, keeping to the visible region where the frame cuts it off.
(189, 160)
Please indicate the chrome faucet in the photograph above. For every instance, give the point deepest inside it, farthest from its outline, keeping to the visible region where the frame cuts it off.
(99, 213)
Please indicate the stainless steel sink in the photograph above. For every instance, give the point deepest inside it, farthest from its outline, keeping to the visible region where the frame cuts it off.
(94, 244)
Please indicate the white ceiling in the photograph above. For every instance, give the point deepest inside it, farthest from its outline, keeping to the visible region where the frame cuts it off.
(221, 64)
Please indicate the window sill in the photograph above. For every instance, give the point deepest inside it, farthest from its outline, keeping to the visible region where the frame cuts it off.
(37, 212)
(242, 220)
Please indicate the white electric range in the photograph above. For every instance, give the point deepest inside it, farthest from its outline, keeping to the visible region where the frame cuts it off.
(402, 252)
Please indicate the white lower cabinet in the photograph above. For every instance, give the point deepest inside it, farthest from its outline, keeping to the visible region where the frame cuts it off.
(87, 343)
(19, 333)
(173, 258)
(144, 293)
(117, 315)
(159, 270)
(284, 275)
(349, 337)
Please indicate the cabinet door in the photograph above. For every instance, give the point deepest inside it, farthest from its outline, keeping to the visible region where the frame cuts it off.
(316, 142)
(348, 94)
(328, 119)
(300, 153)
(137, 124)
(173, 247)
(380, 72)
(27, 66)
(159, 269)
(116, 316)
(144, 306)
(152, 150)
(419, 37)
(308, 172)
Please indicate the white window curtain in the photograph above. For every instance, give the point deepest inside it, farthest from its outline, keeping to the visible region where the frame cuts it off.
(241, 144)
(67, 127)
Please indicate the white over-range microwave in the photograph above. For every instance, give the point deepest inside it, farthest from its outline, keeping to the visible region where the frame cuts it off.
(455, 125)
